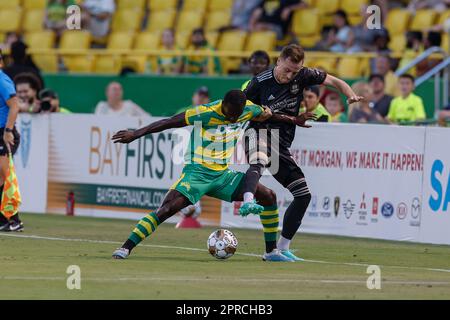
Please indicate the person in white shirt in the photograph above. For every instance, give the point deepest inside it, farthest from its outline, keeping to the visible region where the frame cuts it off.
(115, 105)
(98, 15)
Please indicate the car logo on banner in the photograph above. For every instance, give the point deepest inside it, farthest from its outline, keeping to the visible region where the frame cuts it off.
(375, 206)
(25, 143)
(363, 202)
(402, 210)
(326, 203)
(415, 208)
(348, 207)
(387, 209)
(337, 204)
(314, 203)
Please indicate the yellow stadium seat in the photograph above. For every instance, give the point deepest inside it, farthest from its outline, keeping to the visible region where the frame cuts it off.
(143, 41)
(34, 4)
(157, 5)
(217, 19)
(397, 21)
(310, 3)
(353, 7)
(445, 43)
(231, 41)
(423, 19)
(46, 62)
(355, 20)
(305, 22)
(215, 5)
(40, 39)
(79, 64)
(327, 6)
(195, 4)
(444, 16)
(105, 64)
(182, 39)
(9, 4)
(76, 39)
(189, 20)
(127, 20)
(120, 40)
(130, 4)
(326, 64)
(212, 37)
(264, 40)
(2, 37)
(10, 20)
(33, 20)
(160, 20)
(397, 43)
(349, 67)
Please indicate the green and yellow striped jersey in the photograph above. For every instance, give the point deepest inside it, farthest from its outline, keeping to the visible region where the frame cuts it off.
(213, 138)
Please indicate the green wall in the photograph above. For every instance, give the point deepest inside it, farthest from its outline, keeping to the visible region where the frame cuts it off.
(161, 95)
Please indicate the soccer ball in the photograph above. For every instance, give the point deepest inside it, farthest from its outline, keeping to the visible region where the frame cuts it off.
(222, 244)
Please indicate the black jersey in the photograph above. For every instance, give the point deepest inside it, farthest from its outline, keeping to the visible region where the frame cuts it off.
(281, 98)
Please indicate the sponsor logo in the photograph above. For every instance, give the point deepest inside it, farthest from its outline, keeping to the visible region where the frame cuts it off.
(375, 206)
(25, 143)
(348, 207)
(402, 210)
(185, 184)
(326, 203)
(337, 204)
(314, 203)
(415, 208)
(439, 199)
(387, 209)
(363, 204)
(295, 88)
(271, 97)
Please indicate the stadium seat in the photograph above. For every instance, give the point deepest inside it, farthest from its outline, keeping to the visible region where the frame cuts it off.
(212, 37)
(397, 43)
(34, 4)
(306, 26)
(445, 43)
(326, 64)
(75, 40)
(46, 62)
(158, 5)
(40, 39)
(143, 41)
(264, 40)
(79, 64)
(217, 19)
(33, 20)
(120, 41)
(220, 5)
(182, 39)
(127, 20)
(231, 41)
(423, 19)
(130, 4)
(189, 20)
(10, 20)
(199, 5)
(353, 7)
(107, 64)
(327, 6)
(9, 4)
(160, 20)
(349, 67)
(397, 21)
(443, 17)
(355, 20)
(310, 3)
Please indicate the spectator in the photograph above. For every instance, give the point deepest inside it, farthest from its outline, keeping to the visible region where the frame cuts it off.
(383, 67)
(433, 39)
(49, 102)
(335, 107)
(115, 105)
(259, 61)
(10, 38)
(168, 64)
(21, 62)
(97, 15)
(361, 112)
(312, 104)
(55, 15)
(200, 96)
(278, 19)
(444, 116)
(200, 64)
(380, 99)
(27, 88)
(241, 12)
(414, 40)
(340, 37)
(407, 107)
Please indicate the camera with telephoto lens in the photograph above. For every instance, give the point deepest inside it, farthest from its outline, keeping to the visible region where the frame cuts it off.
(46, 105)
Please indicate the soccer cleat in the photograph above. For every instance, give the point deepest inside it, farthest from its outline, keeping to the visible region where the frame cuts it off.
(16, 226)
(276, 256)
(250, 208)
(5, 227)
(290, 255)
(121, 253)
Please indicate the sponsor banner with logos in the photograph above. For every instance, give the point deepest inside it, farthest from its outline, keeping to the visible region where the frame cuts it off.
(31, 161)
(365, 181)
(435, 225)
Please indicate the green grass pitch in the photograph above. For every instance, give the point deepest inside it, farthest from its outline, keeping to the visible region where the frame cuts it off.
(174, 264)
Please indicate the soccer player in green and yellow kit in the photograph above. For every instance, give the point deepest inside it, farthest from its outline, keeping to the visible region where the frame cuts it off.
(206, 169)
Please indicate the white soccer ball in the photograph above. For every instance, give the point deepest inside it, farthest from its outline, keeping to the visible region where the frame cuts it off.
(222, 244)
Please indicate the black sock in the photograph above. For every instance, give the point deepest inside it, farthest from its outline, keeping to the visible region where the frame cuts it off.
(270, 246)
(15, 218)
(252, 177)
(294, 215)
(129, 245)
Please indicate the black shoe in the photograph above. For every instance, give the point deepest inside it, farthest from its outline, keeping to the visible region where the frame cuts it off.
(4, 227)
(16, 226)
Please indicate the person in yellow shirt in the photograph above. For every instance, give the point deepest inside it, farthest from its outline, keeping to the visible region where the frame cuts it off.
(383, 67)
(407, 107)
(311, 103)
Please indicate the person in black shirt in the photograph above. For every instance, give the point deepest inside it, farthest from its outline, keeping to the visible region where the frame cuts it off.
(381, 100)
(281, 89)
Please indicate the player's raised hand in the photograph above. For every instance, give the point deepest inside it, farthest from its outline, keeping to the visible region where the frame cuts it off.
(354, 99)
(301, 119)
(124, 136)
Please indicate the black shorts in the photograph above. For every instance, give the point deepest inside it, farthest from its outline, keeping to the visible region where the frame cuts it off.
(287, 170)
(3, 148)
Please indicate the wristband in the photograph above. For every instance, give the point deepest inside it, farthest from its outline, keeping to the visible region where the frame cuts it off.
(8, 130)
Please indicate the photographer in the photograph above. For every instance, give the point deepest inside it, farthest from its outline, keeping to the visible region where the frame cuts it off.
(49, 102)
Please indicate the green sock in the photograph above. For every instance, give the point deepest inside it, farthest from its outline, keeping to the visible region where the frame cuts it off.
(145, 227)
(270, 221)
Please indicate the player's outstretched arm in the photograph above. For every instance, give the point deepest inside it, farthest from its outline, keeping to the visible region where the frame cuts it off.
(343, 87)
(276, 117)
(127, 136)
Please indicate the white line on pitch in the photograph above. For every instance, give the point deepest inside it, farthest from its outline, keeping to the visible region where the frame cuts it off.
(204, 250)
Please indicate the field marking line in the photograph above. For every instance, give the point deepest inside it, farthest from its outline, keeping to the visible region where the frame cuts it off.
(204, 250)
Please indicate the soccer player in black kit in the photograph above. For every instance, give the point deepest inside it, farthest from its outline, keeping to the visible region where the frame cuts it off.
(281, 89)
